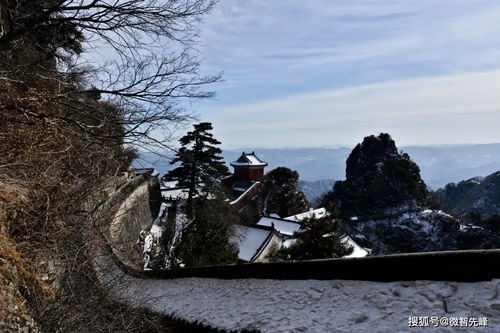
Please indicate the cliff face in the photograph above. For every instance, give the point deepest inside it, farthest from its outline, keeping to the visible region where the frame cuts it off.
(378, 177)
(135, 214)
(476, 195)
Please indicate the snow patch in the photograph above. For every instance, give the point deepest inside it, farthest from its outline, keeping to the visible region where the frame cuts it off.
(313, 213)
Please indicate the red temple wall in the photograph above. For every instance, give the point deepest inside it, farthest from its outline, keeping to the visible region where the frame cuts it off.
(249, 173)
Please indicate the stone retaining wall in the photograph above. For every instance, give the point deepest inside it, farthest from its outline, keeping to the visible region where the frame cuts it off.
(129, 210)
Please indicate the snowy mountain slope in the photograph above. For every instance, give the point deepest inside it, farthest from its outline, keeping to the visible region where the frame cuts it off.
(418, 231)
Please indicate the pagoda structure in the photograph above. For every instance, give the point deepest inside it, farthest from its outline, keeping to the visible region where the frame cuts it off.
(248, 167)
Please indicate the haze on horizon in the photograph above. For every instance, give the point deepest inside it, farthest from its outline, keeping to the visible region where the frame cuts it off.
(330, 72)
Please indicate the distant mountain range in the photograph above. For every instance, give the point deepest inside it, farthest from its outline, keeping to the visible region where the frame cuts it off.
(439, 165)
(313, 190)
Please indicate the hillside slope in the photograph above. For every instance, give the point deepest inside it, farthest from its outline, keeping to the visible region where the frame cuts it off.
(476, 195)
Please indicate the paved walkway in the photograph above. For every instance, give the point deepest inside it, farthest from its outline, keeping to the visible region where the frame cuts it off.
(310, 305)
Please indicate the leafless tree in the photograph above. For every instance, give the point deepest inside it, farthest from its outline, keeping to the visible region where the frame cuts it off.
(63, 125)
(149, 61)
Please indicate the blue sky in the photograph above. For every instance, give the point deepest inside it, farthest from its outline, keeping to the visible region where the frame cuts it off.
(329, 72)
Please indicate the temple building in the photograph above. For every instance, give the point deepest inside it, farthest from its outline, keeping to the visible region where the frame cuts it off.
(245, 180)
(248, 167)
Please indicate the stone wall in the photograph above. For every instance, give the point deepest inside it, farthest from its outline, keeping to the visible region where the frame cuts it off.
(134, 206)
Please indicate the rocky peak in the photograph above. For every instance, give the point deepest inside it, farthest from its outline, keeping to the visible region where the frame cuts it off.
(378, 178)
(369, 154)
(384, 201)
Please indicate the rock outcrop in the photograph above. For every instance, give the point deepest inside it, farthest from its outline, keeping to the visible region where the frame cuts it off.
(416, 231)
(384, 202)
(378, 178)
(386, 207)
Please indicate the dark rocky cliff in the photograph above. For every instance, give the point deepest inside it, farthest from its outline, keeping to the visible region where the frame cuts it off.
(384, 204)
(378, 177)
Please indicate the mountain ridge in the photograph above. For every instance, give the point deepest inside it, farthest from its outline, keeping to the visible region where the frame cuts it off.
(439, 164)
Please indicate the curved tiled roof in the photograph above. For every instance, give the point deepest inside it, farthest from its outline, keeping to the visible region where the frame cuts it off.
(249, 159)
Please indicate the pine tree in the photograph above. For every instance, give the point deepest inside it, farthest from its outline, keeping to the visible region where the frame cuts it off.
(199, 160)
(316, 239)
(280, 194)
(206, 241)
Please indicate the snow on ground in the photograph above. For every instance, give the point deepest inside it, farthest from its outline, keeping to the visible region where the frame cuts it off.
(307, 305)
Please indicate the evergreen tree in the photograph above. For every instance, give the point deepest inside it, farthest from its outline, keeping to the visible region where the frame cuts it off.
(199, 161)
(206, 241)
(280, 194)
(316, 239)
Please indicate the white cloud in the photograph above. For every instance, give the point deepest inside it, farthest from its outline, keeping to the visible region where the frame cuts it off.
(449, 109)
(332, 71)
(280, 41)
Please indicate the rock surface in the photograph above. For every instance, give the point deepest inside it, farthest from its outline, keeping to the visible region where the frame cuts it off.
(378, 177)
(418, 231)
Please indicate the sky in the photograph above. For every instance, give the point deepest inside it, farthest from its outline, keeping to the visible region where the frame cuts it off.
(329, 72)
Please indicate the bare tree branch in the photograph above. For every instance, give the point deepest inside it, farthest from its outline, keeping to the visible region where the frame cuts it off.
(150, 70)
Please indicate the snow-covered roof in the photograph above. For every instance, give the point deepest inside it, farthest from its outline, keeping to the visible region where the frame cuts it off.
(313, 213)
(250, 240)
(357, 251)
(248, 159)
(244, 193)
(182, 193)
(284, 227)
